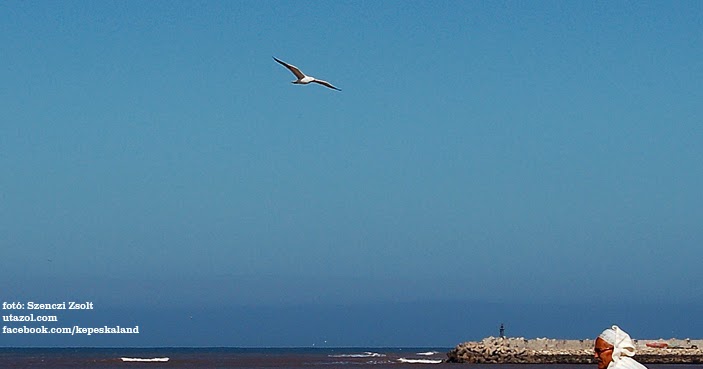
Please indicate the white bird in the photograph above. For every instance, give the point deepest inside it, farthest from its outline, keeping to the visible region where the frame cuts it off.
(302, 78)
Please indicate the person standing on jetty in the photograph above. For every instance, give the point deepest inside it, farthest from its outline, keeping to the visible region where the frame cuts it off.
(614, 350)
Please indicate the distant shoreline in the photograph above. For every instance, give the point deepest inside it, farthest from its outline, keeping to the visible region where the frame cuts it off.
(507, 350)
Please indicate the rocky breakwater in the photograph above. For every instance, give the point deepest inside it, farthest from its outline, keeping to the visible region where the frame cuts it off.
(515, 351)
(550, 351)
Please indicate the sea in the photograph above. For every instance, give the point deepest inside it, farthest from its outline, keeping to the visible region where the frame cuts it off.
(270, 358)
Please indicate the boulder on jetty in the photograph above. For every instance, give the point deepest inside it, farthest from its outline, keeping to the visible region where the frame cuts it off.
(503, 350)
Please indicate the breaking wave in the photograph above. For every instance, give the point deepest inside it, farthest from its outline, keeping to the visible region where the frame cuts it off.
(362, 355)
(428, 353)
(153, 359)
(420, 361)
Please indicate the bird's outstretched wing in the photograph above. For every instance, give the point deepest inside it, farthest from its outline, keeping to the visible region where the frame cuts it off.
(325, 83)
(291, 68)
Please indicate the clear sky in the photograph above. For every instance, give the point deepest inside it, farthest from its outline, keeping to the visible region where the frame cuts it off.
(480, 155)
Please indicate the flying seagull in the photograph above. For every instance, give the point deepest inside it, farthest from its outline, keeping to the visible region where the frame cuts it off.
(302, 78)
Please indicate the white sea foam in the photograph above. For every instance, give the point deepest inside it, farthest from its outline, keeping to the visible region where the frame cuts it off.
(420, 361)
(351, 362)
(365, 354)
(428, 353)
(139, 359)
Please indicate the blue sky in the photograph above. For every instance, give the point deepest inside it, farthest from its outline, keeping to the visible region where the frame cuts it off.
(155, 155)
